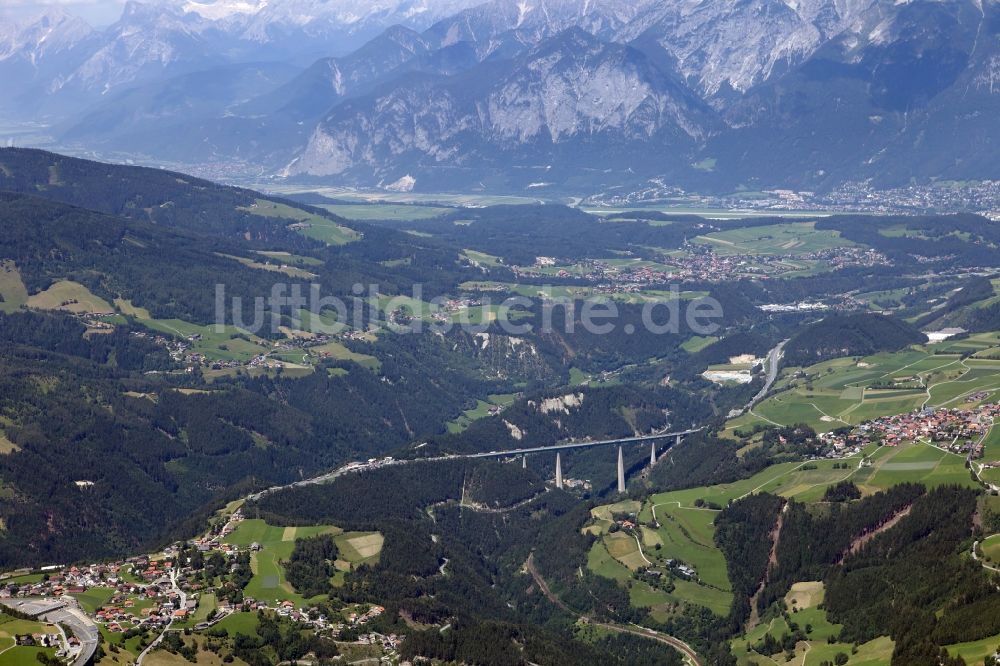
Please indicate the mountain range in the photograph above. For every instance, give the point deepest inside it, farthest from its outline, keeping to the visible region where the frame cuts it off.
(516, 95)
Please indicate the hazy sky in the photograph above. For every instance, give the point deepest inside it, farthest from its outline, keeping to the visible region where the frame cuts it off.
(96, 12)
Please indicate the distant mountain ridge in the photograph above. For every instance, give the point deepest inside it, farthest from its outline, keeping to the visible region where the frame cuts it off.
(512, 94)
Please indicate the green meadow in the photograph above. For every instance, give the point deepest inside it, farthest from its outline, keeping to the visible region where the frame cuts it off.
(975, 652)
(481, 411)
(789, 238)
(848, 391)
(384, 211)
(13, 293)
(685, 531)
(269, 582)
(308, 224)
(69, 296)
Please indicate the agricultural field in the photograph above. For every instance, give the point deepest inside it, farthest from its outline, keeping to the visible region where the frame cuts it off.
(202, 656)
(718, 214)
(385, 211)
(280, 267)
(558, 292)
(239, 623)
(481, 411)
(696, 343)
(94, 598)
(685, 530)
(70, 297)
(339, 352)
(877, 652)
(23, 656)
(848, 391)
(877, 468)
(642, 595)
(308, 224)
(991, 449)
(7, 446)
(345, 195)
(975, 652)
(127, 649)
(779, 239)
(13, 655)
(268, 581)
(685, 534)
(482, 259)
(13, 293)
(230, 345)
(289, 258)
(991, 549)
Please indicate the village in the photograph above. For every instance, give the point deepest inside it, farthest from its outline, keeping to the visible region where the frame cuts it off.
(149, 595)
(959, 430)
(698, 263)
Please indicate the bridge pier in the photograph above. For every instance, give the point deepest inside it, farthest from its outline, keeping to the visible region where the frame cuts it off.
(678, 442)
(621, 472)
(524, 461)
(559, 480)
(652, 454)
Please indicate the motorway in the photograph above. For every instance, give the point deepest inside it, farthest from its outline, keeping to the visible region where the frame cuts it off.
(355, 467)
(572, 445)
(65, 613)
(773, 363)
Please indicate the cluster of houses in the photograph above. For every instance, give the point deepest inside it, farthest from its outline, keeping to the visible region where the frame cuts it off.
(38, 640)
(123, 612)
(700, 263)
(177, 349)
(388, 642)
(71, 580)
(958, 430)
(146, 598)
(448, 309)
(150, 592)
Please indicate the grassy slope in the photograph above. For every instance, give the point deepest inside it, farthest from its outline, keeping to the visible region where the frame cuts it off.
(277, 542)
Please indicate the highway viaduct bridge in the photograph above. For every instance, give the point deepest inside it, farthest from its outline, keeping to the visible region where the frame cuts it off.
(352, 468)
(559, 448)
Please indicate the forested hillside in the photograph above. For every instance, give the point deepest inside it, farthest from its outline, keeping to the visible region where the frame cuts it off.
(850, 335)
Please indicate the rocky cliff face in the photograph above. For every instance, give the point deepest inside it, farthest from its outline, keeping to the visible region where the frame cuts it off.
(519, 93)
(572, 87)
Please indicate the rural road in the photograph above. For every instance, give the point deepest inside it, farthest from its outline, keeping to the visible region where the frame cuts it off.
(689, 653)
(158, 639)
(975, 556)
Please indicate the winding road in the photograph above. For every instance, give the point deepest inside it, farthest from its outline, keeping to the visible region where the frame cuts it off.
(159, 639)
(689, 652)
